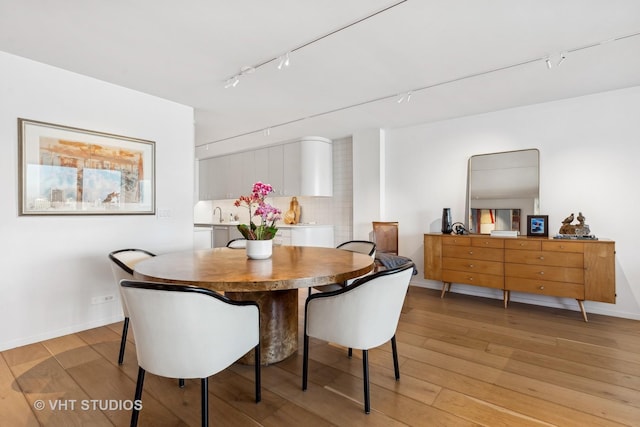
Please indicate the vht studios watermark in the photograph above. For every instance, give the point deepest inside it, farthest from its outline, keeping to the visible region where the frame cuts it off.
(88, 405)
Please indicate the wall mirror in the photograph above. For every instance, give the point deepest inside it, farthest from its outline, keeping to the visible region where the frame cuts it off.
(502, 188)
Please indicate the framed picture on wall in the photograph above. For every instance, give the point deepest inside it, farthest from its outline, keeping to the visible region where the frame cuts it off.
(70, 171)
(538, 225)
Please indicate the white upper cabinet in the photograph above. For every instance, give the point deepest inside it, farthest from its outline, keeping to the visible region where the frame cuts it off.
(276, 169)
(300, 168)
(316, 167)
(292, 169)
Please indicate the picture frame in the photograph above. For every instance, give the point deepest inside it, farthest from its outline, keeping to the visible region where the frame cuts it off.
(538, 225)
(65, 170)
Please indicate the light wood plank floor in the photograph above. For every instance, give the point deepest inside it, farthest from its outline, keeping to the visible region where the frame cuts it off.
(463, 361)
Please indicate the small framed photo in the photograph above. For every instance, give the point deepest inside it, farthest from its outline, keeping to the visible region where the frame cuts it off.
(538, 225)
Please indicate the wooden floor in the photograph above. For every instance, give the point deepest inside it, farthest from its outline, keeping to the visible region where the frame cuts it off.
(463, 361)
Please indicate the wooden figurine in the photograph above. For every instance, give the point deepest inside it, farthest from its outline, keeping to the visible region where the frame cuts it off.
(292, 216)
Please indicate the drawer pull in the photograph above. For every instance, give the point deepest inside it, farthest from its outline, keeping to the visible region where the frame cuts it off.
(541, 288)
(470, 279)
(521, 244)
(470, 252)
(542, 273)
(470, 265)
(542, 258)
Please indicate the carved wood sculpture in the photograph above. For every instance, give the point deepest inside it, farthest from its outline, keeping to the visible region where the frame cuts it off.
(292, 216)
(580, 229)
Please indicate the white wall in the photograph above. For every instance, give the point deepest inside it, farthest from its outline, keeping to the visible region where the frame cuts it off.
(589, 154)
(52, 266)
(368, 180)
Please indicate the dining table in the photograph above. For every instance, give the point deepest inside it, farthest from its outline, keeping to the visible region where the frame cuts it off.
(273, 283)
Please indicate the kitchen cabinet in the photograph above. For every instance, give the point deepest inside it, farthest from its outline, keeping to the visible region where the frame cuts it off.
(288, 235)
(579, 269)
(268, 167)
(223, 233)
(308, 167)
(202, 237)
(300, 168)
(305, 235)
(316, 167)
(206, 169)
(292, 173)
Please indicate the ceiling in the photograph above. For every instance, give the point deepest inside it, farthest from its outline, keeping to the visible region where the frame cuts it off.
(350, 61)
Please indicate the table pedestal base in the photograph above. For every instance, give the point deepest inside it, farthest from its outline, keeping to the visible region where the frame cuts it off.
(278, 324)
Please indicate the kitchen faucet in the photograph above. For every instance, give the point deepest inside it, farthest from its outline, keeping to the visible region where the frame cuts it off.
(220, 215)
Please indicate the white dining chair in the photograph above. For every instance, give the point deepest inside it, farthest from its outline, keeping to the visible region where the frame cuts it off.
(239, 243)
(189, 332)
(363, 315)
(122, 263)
(360, 246)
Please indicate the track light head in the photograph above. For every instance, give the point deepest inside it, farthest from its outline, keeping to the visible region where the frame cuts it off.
(548, 61)
(232, 82)
(284, 61)
(563, 56)
(404, 97)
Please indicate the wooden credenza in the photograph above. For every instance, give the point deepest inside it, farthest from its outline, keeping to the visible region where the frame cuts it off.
(579, 269)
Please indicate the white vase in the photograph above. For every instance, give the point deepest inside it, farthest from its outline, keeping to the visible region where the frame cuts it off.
(259, 249)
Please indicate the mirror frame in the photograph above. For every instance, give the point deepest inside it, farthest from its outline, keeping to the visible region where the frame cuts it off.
(532, 209)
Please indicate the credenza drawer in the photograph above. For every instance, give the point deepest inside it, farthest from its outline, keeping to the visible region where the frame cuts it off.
(562, 259)
(473, 265)
(456, 241)
(487, 242)
(530, 244)
(563, 246)
(545, 272)
(477, 279)
(543, 287)
(470, 252)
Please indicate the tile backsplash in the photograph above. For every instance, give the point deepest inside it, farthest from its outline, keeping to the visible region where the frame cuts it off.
(336, 210)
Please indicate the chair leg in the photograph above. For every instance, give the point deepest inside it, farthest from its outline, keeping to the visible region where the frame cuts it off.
(365, 374)
(137, 398)
(181, 382)
(123, 340)
(204, 394)
(258, 381)
(305, 359)
(394, 350)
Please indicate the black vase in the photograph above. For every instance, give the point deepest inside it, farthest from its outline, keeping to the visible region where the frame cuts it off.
(446, 221)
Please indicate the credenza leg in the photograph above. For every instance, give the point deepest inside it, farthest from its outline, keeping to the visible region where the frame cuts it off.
(584, 313)
(446, 286)
(506, 295)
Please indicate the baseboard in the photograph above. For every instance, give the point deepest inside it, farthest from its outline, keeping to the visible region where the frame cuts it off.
(8, 345)
(544, 301)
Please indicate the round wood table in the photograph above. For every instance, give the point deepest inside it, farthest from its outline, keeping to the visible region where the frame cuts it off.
(273, 283)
